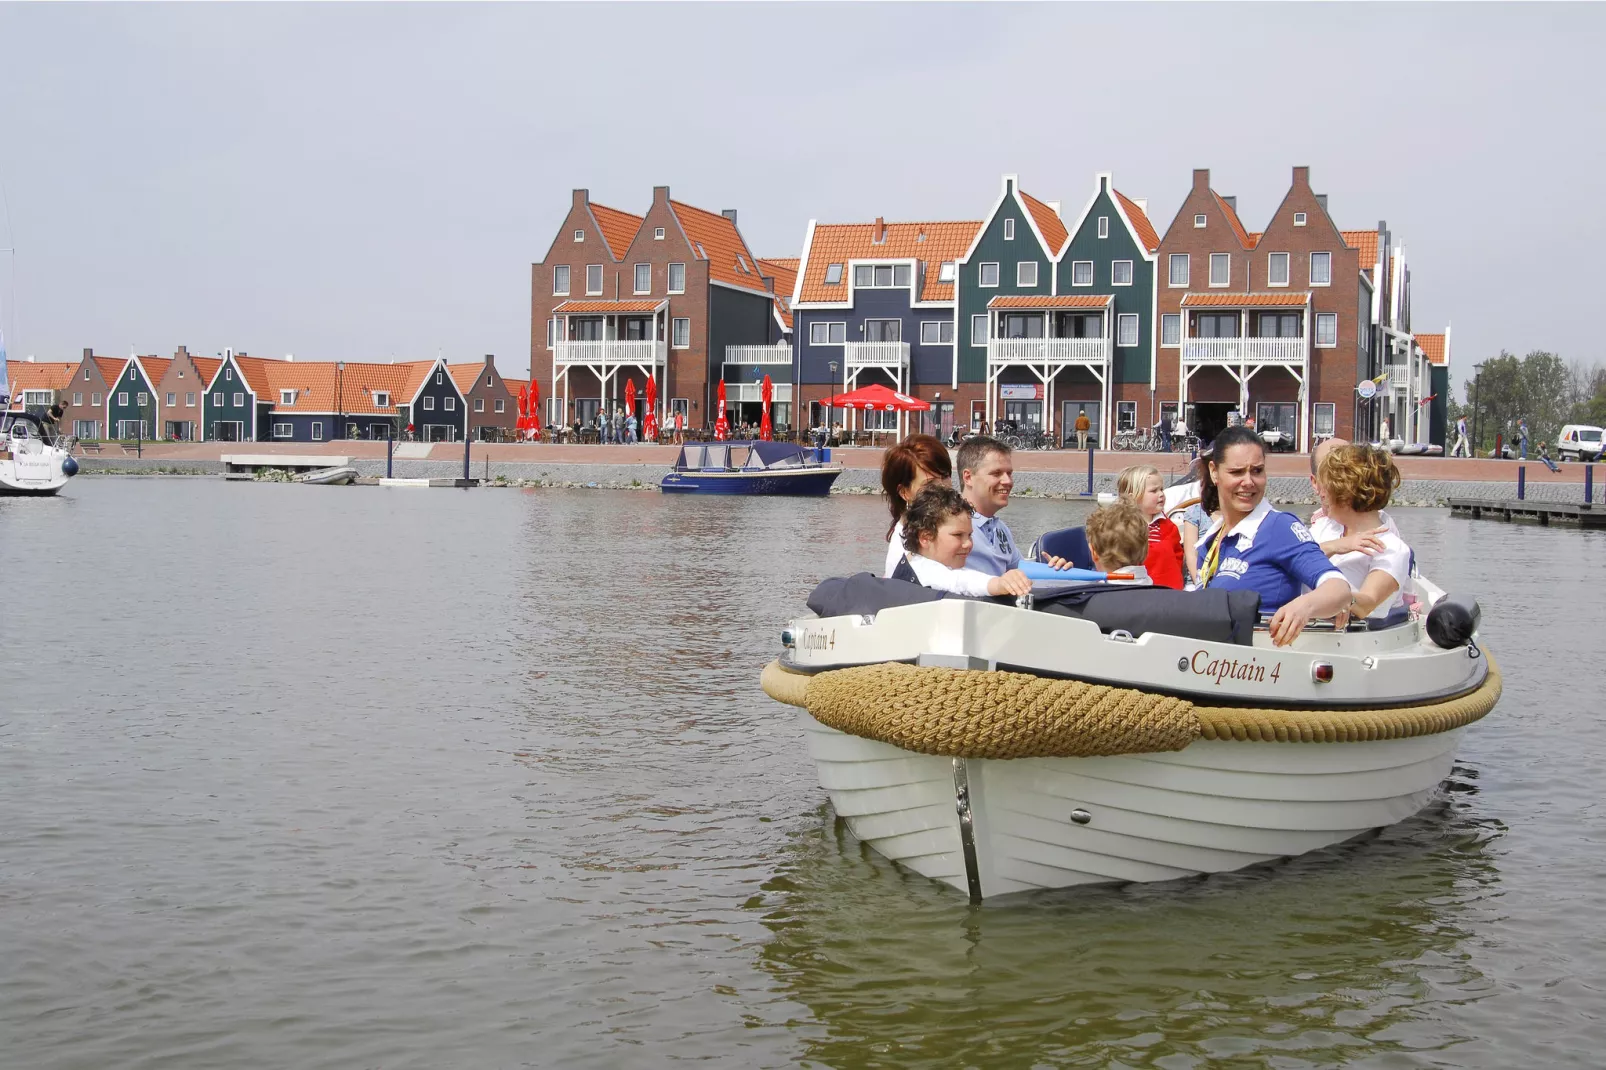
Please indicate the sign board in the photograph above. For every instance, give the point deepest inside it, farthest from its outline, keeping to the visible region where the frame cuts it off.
(1020, 391)
(1366, 389)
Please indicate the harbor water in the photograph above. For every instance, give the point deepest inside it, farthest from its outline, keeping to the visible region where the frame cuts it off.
(355, 777)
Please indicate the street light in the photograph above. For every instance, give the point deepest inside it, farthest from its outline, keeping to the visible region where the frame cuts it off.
(1477, 403)
(830, 410)
(340, 401)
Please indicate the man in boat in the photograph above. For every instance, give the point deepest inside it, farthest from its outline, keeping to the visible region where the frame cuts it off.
(986, 477)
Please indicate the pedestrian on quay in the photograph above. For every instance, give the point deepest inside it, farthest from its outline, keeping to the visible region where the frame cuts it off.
(680, 428)
(1522, 437)
(1462, 449)
(1165, 432)
(1083, 426)
(630, 429)
(1544, 455)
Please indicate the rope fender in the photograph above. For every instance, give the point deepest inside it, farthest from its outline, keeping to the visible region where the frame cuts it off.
(970, 714)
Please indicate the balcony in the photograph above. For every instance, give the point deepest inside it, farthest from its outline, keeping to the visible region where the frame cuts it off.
(1244, 351)
(876, 354)
(646, 354)
(759, 356)
(1400, 375)
(1060, 352)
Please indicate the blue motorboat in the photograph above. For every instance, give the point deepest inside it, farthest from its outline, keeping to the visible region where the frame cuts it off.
(750, 468)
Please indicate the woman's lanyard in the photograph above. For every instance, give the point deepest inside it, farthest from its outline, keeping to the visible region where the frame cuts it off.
(1213, 557)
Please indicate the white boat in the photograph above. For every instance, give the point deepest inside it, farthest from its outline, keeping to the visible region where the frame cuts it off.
(334, 477)
(992, 826)
(32, 459)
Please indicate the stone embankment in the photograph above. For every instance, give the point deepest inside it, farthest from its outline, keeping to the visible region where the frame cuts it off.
(1054, 474)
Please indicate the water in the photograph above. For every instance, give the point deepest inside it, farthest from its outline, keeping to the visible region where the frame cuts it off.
(318, 777)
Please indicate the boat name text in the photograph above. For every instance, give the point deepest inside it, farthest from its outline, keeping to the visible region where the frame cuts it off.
(820, 640)
(1233, 669)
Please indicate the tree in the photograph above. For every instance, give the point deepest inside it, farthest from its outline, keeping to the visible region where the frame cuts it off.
(1539, 387)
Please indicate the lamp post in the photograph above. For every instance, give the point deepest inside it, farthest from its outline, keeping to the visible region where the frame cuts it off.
(1477, 403)
(340, 401)
(830, 410)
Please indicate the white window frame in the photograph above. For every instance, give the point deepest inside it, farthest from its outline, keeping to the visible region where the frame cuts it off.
(189, 399)
(317, 430)
(122, 397)
(1009, 229)
(429, 404)
(228, 374)
(382, 399)
(1078, 264)
(942, 327)
(501, 404)
(239, 399)
(1126, 415)
(78, 398)
(560, 289)
(589, 291)
(1171, 273)
(142, 399)
(981, 275)
(287, 397)
(1320, 409)
(479, 404)
(947, 271)
(1114, 279)
(821, 331)
(833, 274)
(1104, 226)
(1271, 260)
(1327, 259)
(1227, 257)
(94, 398)
(670, 280)
(1020, 273)
(40, 397)
(172, 398)
(449, 404)
(1122, 322)
(978, 329)
(579, 236)
(1326, 317)
(658, 234)
(1171, 319)
(284, 430)
(680, 326)
(1199, 221)
(217, 398)
(637, 280)
(1299, 219)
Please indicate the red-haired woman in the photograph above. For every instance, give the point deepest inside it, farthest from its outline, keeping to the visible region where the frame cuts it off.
(906, 467)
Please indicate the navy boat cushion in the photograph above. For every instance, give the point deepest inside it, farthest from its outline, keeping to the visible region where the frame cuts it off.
(1217, 616)
(864, 594)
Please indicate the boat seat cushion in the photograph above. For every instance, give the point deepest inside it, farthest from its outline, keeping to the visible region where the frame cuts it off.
(864, 594)
(1069, 543)
(1217, 616)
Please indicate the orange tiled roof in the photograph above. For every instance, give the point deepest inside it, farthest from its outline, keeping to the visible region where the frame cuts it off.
(156, 367)
(1254, 238)
(1233, 221)
(1366, 242)
(206, 367)
(31, 375)
(319, 388)
(618, 228)
(607, 306)
(783, 271)
(255, 371)
(111, 368)
(515, 385)
(1255, 300)
(933, 244)
(1048, 222)
(1433, 346)
(1062, 301)
(466, 376)
(1140, 222)
(719, 242)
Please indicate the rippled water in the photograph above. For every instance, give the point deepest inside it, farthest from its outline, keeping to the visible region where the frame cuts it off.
(316, 777)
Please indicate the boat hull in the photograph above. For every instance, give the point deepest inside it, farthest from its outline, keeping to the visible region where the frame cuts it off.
(34, 480)
(1038, 823)
(803, 482)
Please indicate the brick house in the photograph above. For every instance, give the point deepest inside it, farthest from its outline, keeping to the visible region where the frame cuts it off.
(492, 406)
(620, 297)
(91, 387)
(1272, 325)
(34, 386)
(182, 391)
(874, 303)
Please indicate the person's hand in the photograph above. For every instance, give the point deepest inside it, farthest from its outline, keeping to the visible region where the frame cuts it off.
(1366, 542)
(1013, 582)
(1055, 562)
(1290, 620)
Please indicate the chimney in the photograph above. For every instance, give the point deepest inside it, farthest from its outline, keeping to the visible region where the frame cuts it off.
(660, 196)
(183, 351)
(582, 197)
(30, 358)
(1142, 203)
(730, 214)
(1201, 178)
(290, 357)
(1321, 199)
(88, 353)
(1302, 176)
(1232, 202)
(879, 235)
(1053, 206)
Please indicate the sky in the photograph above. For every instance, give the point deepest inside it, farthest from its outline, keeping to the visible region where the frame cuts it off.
(373, 181)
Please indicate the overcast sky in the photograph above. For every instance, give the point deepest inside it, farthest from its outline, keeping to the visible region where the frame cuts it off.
(372, 181)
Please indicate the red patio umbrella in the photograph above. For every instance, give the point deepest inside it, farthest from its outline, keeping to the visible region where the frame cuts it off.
(524, 407)
(533, 409)
(766, 392)
(877, 398)
(630, 397)
(650, 432)
(722, 429)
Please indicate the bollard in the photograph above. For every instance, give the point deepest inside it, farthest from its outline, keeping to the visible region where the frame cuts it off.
(390, 447)
(1589, 484)
(466, 442)
(1089, 492)
(1522, 482)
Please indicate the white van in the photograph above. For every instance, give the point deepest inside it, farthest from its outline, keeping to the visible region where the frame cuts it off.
(1578, 441)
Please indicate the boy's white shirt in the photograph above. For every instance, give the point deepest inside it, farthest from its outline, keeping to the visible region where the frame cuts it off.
(939, 577)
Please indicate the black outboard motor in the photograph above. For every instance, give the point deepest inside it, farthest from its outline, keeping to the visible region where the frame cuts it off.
(1452, 622)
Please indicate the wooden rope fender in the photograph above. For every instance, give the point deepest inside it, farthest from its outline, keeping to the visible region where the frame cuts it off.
(969, 714)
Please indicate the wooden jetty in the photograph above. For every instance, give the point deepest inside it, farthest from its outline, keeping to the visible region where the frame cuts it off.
(1581, 514)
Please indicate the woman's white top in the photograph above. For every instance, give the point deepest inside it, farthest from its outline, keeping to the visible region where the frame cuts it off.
(894, 550)
(1394, 558)
(939, 577)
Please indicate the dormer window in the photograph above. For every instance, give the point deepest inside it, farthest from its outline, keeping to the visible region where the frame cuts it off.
(945, 272)
(1299, 219)
(579, 235)
(1009, 230)
(833, 274)
(882, 275)
(1199, 221)
(658, 234)
(287, 397)
(1104, 226)
(382, 399)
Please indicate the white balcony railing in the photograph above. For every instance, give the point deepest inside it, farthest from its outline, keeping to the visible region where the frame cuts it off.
(615, 352)
(1060, 351)
(1244, 350)
(1399, 375)
(876, 354)
(759, 355)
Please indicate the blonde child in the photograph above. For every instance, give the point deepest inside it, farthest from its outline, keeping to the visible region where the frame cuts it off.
(1141, 487)
(1118, 538)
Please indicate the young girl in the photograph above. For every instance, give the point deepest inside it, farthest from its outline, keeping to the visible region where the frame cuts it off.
(1141, 486)
(936, 541)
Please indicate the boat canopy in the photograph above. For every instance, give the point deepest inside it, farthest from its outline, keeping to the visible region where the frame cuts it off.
(742, 455)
